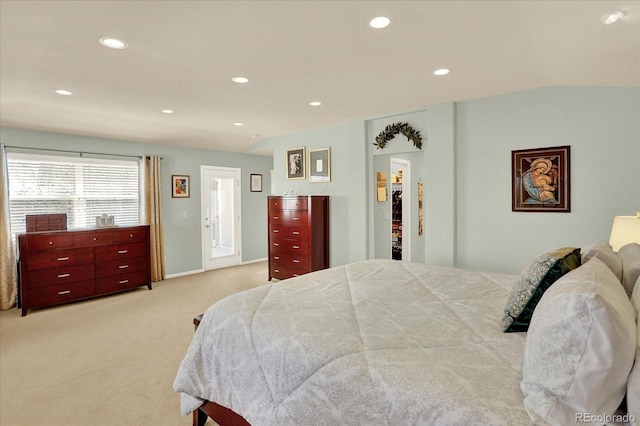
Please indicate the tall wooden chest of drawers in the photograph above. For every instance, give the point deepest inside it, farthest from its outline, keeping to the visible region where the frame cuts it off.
(62, 266)
(298, 235)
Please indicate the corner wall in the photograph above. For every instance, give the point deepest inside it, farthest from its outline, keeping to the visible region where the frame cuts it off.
(181, 216)
(600, 124)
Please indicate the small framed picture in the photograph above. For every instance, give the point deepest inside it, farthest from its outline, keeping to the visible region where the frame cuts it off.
(540, 180)
(295, 163)
(256, 183)
(320, 165)
(180, 186)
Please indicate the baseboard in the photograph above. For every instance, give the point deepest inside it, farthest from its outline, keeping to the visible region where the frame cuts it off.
(255, 261)
(182, 274)
(198, 271)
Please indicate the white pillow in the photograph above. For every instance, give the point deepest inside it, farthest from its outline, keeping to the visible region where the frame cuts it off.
(633, 385)
(607, 255)
(580, 347)
(630, 256)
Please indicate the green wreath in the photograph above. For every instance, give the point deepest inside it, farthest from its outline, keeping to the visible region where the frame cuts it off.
(393, 129)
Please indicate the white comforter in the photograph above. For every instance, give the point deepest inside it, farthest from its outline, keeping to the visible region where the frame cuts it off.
(371, 343)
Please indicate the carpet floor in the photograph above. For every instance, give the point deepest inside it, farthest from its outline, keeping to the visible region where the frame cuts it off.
(110, 360)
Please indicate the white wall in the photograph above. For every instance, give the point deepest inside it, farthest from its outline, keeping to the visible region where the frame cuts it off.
(602, 127)
(181, 216)
(467, 151)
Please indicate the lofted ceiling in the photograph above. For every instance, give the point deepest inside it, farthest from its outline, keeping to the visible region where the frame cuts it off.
(182, 55)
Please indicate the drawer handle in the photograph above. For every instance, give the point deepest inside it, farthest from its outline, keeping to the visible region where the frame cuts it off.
(62, 293)
(276, 270)
(60, 259)
(276, 244)
(296, 247)
(276, 257)
(276, 231)
(95, 239)
(296, 233)
(296, 261)
(50, 242)
(130, 235)
(123, 266)
(123, 251)
(123, 282)
(63, 275)
(296, 218)
(276, 217)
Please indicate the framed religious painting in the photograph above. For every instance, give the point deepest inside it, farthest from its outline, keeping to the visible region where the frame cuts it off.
(295, 163)
(540, 180)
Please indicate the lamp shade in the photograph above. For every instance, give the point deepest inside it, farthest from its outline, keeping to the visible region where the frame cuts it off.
(625, 230)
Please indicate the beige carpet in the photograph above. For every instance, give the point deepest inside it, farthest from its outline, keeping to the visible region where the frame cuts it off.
(110, 360)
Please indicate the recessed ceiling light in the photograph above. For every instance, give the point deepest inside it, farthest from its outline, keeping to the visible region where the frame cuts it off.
(168, 111)
(240, 80)
(113, 43)
(64, 92)
(441, 71)
(379, 22)
(612, 17)
(238, 124)
(315, 103)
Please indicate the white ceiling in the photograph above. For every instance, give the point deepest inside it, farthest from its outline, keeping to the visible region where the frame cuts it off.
(182, 55)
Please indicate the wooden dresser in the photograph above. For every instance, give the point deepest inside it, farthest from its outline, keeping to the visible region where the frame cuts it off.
(298, 235)
(62, 266)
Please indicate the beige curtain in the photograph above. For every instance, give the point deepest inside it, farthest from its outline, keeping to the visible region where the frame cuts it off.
(8, 272)
(153, 214)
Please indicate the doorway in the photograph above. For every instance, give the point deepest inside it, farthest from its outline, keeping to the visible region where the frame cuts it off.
(221, 243)
(400, 209)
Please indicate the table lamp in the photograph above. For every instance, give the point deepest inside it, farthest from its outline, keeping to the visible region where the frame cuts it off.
(625, 230)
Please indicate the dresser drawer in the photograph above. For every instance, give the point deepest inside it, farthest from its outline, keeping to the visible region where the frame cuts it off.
(120, 251)
(282, 272)
(61, 293)
(295, 203)
(62, 275)
(121, 266)
(281, 245)
(93, 238)
(288, 260)
(132, 234)
(49, 241)
(290, 232)
(59, 258)
(121, 282)
(277, 204)
(289, 217)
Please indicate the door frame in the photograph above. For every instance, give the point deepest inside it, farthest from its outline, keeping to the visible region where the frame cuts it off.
(406, 206)
(235, 259)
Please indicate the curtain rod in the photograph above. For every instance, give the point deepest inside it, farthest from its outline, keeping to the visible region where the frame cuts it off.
(77, 152)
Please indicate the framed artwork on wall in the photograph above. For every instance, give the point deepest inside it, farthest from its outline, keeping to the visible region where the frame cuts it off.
(320, 165)
(256, 183)
(540, 180)
(180, 186)
(295, 163)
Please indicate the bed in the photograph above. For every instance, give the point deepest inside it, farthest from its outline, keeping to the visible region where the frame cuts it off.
(377, 342)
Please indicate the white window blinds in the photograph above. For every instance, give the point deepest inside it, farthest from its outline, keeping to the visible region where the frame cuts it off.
(83, 188)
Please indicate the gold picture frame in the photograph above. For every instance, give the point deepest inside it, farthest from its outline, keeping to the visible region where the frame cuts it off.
(320, 165)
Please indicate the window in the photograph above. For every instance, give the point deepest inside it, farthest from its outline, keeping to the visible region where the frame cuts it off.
(83, 188)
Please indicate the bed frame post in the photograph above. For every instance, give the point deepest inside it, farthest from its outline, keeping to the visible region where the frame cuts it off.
(199, 417)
